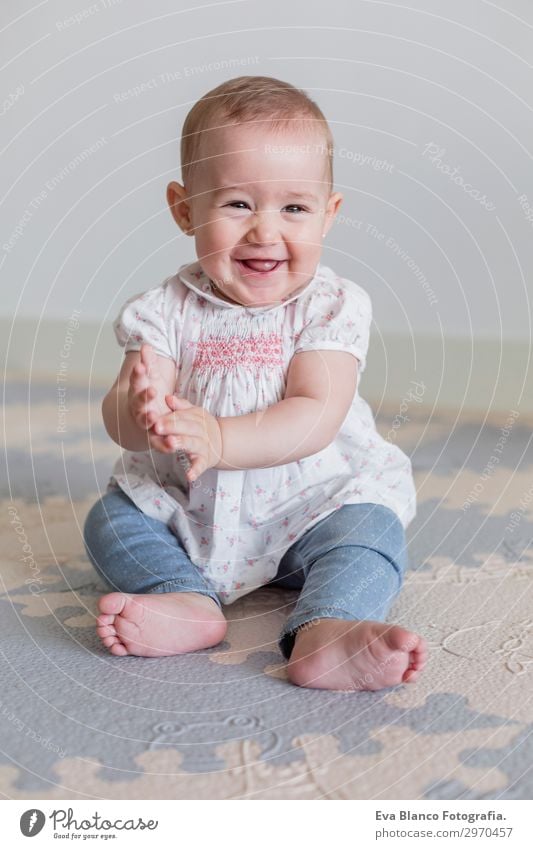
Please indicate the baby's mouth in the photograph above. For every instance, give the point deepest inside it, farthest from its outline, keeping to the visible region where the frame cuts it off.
(262, 266)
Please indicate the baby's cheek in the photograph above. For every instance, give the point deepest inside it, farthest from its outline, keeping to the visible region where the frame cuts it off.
(222, 234)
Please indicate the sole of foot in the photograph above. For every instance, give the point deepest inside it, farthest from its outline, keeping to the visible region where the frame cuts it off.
(336, 654)
(159, 624)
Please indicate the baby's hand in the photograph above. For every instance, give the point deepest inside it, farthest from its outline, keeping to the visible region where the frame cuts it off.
(147, 389)
(191, 429)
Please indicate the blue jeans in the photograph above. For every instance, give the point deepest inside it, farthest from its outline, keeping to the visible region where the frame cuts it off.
(350, 565)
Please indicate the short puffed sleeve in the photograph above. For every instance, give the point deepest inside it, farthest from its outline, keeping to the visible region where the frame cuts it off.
(337, 318)
(149, 318)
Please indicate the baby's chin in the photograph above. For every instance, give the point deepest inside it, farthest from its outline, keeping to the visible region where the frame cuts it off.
(268, 289)
(237, 283)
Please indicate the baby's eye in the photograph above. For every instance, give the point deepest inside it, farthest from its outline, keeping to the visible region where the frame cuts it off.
(237, 203)
(294, 206)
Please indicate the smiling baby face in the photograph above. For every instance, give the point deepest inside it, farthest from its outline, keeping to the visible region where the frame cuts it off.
(258, 205)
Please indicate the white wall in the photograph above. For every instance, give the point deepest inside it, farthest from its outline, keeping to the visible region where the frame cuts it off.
(391, 80)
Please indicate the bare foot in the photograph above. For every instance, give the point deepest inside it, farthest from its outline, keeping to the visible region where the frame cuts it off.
(335, 654)
(159, 624)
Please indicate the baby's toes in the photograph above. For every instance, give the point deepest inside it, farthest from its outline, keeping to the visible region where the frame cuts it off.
(111, 604)
(105, 619)
(417, 663)
(420, 655)
(106, 631)
(410, 676)
(118, 648)
(398, 638)
(113, 644)
(110, 640)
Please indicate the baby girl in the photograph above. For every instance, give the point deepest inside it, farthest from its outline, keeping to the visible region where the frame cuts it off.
(249, 456)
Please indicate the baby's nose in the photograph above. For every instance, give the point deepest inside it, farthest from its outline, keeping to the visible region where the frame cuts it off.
(264, 228)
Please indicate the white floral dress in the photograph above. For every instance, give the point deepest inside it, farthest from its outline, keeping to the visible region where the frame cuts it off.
(232, 360)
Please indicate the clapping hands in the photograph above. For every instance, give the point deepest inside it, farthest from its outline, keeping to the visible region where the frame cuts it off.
(173, 423)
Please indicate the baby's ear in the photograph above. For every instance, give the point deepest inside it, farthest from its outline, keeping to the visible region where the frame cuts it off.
(332, 207)
(179, 206)
(334, 203)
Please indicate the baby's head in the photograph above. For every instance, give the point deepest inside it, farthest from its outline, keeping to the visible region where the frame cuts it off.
(256, 158)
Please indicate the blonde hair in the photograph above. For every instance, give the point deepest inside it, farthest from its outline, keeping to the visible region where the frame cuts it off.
(256, 99)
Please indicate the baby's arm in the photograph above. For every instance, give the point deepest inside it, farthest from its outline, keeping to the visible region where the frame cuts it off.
(320, 389)
(137, 398)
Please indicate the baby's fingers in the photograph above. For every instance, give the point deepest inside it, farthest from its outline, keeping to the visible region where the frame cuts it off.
(151, 416)
(197, 468)
(142, 397)
(147, 354)
(146, 418)
(143, 408)
(162, 444)
(149, 360)
(139, 378)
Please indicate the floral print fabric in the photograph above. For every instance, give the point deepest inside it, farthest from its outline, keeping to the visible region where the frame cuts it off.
(236, 525)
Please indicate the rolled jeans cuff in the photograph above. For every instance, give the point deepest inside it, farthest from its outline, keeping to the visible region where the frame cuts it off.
(183, 586)
(288, 634)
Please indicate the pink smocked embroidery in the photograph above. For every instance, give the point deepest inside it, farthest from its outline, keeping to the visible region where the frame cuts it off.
(262, 350)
